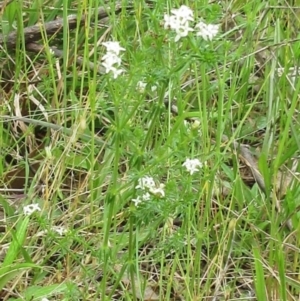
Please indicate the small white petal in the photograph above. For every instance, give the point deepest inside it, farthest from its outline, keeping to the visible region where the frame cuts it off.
(153, 88)
(60, 230)
(146, 196)
(192, 165)
(141, 86)
(137, 201)
(29, 209)
(182, 31)
(145, 182)
(207, 31)
(113, 47)
(171, 22)
(158, 191)
(117, 72)
(196, 125)
(183, 13)
(111, 59)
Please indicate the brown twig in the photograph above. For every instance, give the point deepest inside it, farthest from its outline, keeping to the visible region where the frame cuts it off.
(55, 127)
(34, 33)
(34, 47)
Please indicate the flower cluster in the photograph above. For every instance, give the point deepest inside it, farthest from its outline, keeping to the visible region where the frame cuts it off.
(192, 165)
(111, 60)
(207, 31)
(148, 187)
(30, 209)
(141, 86)
(139, 199)
(59, 230)
(180, 19)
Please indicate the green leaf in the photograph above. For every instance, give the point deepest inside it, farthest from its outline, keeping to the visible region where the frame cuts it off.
(17, 242)
(40, 291)
(9, 17)
(8, 272)
(282, 272)
(259, 278)
(265, 171)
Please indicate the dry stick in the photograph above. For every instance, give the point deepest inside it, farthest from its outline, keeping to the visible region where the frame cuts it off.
(55, 127)
(34, 47)
(34, 33)
(245, 154)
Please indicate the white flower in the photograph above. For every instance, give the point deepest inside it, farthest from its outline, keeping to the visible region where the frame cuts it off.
(51, 51)
(116, 72)
(192, 165)
(137, 201)
(141, 86)
(111, 60)
(110, 68)
(60, 230)
(148, 184)
(146, 196)
(145, 182)
(154, 88)
(207, 31)
(170, 22)
(158, 191)
(113, 47)
(179, 21)
(45, 299)
(182, 31)
(29, 209)
(183, 14)
(196, 125)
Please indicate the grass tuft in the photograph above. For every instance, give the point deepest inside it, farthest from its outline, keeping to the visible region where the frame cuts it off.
(167, 171)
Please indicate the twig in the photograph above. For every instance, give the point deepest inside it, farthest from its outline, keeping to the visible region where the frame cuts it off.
(34, 33)
(34, 47)
(55, 127)
(247, 157)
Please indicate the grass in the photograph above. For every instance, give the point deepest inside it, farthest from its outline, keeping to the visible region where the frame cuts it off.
(89, 138)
